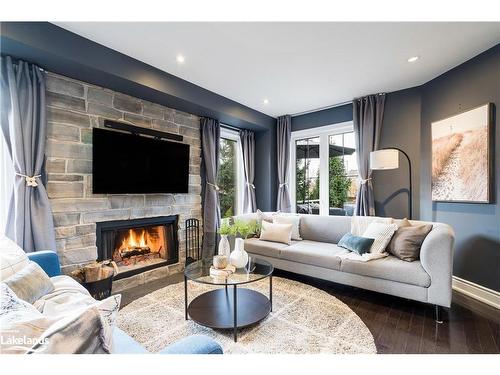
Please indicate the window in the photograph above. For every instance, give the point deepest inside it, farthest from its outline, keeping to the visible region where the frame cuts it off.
(230, 179)
(324, 170)
(307, 175)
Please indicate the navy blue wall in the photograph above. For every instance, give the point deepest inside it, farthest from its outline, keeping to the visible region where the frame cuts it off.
(477, 226)
(400, 128)
(407, 119)
(324, 117)
(60, 51)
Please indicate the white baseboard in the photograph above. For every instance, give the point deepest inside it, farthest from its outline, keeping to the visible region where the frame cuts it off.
(485, 295)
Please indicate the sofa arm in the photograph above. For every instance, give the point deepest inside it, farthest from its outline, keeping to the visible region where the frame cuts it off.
(48, 260)
(436, 256)
(196, 344)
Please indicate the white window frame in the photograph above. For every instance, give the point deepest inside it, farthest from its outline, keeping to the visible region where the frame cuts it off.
(234, 135)
(323, 132)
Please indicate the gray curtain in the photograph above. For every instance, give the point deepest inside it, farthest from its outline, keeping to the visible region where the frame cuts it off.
(368, 113)
(284, 129)
(210, 137)
(248, 150)
(23, 123)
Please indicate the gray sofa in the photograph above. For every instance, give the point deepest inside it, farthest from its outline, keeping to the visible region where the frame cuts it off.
(426, 280)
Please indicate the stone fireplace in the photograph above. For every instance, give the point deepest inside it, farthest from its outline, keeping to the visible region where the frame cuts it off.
(138, 245)
(74, 108)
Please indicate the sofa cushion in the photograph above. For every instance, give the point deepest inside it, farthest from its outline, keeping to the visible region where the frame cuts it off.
(12, 258)
(321, 254)
(324, 228)
(266, 248)
(389, 268)
(273, 232)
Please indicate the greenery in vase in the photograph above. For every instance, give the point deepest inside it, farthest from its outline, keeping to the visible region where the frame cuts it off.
(244, 228)
(226, 229)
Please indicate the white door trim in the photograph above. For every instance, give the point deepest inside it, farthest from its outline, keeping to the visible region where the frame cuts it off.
(233, 135)
(323, 132)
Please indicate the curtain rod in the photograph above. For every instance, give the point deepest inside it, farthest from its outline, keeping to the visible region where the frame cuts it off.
(230, 127)
(321, 109)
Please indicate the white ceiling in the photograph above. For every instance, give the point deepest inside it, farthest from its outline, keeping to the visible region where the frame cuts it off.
(296, 66)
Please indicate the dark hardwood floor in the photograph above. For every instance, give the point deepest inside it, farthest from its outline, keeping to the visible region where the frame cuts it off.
(399, 325)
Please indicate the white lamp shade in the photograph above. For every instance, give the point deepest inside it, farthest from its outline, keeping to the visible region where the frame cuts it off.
(384, 159)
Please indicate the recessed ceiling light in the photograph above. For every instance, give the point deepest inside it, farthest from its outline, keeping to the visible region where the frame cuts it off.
(180, 59)
(413, 59)
(266, 101)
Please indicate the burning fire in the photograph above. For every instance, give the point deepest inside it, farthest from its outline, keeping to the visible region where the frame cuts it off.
(134, 240)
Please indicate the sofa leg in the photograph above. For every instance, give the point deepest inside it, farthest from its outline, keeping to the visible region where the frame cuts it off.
(439, 313)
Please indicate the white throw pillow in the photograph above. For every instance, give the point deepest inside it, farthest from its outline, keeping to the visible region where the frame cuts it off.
(69, 297)
(359, 224)
(276, 232)
(12, 258)
(382, 234)
(290, 219)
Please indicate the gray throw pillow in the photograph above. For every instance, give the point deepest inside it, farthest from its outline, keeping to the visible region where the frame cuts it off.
(30, 283)
(407, 241)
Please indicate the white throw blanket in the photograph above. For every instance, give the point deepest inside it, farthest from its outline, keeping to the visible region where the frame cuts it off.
(358, 227)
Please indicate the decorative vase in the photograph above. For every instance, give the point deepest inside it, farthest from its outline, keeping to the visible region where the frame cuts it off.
(239, 257)
(220, 261)
(224, 247)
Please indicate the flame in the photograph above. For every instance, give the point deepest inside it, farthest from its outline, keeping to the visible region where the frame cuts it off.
(134, 239)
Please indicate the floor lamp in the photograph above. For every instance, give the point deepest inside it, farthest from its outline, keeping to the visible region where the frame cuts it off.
(388, 158)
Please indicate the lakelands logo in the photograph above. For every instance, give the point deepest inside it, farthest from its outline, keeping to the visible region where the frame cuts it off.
(16, 343)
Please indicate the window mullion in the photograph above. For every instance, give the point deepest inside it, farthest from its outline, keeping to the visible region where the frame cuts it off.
(324, 178)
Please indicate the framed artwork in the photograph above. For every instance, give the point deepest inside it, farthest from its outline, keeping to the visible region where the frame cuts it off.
(462, 157)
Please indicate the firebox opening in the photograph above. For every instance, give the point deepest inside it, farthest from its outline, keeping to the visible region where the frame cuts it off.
(139, 247)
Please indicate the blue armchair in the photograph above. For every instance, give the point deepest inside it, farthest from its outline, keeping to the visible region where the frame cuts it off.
(123, 343)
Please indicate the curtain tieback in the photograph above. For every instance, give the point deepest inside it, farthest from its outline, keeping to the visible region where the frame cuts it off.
(30, 181)
(214, 186)
(251, 185)
(283, 184)
(364, 181)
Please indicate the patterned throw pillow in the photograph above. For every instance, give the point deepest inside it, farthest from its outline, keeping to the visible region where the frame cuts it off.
(12, 258)
(30, 283)
(265, 216)
(25, 330)
(68, 298)
(382, 234)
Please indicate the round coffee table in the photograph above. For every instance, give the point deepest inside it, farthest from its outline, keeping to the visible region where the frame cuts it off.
(222, 308)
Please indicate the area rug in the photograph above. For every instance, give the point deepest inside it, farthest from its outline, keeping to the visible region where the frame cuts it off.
(304, 320)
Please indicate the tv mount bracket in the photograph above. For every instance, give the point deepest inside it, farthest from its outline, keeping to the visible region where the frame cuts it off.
(136, 130)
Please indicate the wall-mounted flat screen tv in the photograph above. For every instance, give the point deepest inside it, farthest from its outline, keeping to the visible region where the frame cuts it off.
(133, 164)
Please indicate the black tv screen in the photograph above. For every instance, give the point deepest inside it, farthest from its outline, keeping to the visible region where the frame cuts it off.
(133, 164)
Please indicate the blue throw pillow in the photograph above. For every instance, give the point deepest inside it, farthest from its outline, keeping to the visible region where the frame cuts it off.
(359, 245)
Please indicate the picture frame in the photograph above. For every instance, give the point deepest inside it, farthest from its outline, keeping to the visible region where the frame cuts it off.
(462, 151)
